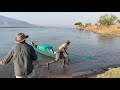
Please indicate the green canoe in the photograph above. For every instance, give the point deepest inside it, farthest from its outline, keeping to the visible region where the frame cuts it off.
(44, 49)
(47, 50)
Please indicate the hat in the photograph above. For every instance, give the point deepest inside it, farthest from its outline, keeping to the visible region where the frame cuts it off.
(20, 37)
(67, 42)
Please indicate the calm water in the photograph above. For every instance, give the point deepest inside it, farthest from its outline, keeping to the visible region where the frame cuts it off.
(104, 50)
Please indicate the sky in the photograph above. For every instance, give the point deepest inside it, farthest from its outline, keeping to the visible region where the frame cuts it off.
(57, 18)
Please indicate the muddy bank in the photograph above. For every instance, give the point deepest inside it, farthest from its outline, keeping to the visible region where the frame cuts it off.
(7, 71)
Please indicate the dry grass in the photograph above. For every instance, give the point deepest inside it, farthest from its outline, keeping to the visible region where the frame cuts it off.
(111, 73)
(112, 30)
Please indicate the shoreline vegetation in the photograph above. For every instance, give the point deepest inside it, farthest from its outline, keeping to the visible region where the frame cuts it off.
(103, 30)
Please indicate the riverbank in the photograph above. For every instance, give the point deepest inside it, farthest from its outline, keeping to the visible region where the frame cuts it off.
(7, 71)
(112, 30)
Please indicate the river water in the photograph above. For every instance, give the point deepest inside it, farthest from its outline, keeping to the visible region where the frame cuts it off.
(87, 50)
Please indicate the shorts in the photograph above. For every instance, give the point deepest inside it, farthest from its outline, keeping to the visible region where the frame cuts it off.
(59, 56)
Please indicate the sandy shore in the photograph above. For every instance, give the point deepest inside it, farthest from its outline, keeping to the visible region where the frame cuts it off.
(112, 30)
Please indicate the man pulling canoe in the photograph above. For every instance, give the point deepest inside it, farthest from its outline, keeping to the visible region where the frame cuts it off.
(61, 54)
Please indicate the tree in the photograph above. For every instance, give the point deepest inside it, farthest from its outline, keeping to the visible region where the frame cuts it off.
(107, 20)
(118, 21)
(79, 23)
(87, 24)
(113, 19)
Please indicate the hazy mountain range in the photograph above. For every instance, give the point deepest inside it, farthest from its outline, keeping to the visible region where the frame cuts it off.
(11, 22)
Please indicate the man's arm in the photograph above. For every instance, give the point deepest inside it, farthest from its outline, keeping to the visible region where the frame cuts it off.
(66, 52)
(66, 46)
(8, 58)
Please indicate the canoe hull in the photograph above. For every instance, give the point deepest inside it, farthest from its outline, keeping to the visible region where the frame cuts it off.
(44, 53)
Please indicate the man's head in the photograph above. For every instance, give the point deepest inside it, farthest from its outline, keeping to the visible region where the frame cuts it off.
(68, 42)
(21, 37)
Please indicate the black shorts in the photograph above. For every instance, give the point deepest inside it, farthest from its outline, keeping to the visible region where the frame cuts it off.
(61, 56)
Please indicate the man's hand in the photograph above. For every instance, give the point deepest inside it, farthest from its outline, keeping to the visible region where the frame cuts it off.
(1, 62)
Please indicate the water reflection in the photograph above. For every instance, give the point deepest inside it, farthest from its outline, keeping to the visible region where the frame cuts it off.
(105, 39)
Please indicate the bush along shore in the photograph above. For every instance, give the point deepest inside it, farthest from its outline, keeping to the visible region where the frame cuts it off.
(111, 30)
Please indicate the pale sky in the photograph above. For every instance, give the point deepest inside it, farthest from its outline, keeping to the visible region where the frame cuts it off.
(57, 18)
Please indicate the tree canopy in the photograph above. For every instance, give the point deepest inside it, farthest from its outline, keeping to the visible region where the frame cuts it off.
(79, 23)
(118, 21)
(87, 24)
(107, 20)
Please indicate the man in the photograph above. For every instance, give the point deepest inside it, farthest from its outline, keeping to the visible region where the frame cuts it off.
(61, 54)
(65, 46)
(23, 56)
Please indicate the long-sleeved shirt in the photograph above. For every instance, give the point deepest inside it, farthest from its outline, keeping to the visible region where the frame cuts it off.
(22, 55)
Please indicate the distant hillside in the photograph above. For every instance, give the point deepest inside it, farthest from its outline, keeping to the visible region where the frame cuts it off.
(10, 22)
